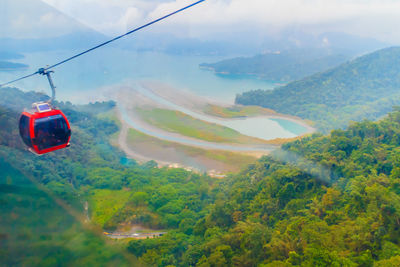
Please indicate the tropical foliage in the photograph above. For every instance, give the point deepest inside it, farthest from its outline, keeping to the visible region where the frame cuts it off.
(324, 201)
(43, 197)
(321, 201)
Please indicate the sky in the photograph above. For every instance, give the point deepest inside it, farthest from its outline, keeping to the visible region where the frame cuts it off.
(378, 19)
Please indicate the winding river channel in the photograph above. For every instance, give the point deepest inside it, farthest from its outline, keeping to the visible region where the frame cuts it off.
(135, 124)
(261, 127)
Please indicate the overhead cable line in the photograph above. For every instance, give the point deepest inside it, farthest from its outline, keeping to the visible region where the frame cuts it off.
(43, 70)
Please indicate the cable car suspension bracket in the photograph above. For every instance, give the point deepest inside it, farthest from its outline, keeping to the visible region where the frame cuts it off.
(46, 72)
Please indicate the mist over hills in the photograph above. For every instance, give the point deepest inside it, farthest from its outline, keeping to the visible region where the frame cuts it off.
(32, 25)
(282, 66)
(294, 55)
(26, 19)
(75, 40)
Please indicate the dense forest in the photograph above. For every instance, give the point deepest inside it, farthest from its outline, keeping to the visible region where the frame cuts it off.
(321, 201)
(284, 66)
(365, 88)
(324, 200)
(42, 222)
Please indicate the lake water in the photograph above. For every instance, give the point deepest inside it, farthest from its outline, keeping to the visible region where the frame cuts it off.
(191, 142)
(260, 127)
(110, 66)
(81, 80)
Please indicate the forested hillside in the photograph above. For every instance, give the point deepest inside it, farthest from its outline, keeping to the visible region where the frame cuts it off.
(285, 66)
(321, 201)
(365, 88)
(327, 201)
(41, 208)
(42, 198)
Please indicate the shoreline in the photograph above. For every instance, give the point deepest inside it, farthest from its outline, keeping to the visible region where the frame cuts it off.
(250, 75)
(216, 172)
(128, 96)
(175, 96)
(135, 123)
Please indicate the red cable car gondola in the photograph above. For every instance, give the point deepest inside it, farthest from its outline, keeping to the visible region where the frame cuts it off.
(45, 128)
(45, 131)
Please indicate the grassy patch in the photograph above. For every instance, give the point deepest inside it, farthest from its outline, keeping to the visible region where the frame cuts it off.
(104, 203)
(233, 161)
(237, 111)
(178, 122)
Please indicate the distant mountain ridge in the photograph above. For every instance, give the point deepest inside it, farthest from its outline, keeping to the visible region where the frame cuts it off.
(364, 88)
(27, 19)
(282, 66)
(77, 40)
(33, 25)
(8, 66)
(294, 54)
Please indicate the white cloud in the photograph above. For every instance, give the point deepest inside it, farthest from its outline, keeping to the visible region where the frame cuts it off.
(52, 19)
(109, 17)
(49, 23)
(373, 18)
(281, 13)
(132, 16)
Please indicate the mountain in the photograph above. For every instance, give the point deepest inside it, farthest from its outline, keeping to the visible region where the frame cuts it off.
(25, 19)
(280, 65)
(364, 88)
(292, 54)
(73, 41)
(42, 198)
(320, 201)
(37, 230)
(32, 25)
(41, 209)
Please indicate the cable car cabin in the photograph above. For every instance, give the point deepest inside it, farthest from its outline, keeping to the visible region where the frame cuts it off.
(44, 130)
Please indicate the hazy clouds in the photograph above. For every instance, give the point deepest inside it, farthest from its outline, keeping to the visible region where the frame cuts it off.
(375, 18)
(372, 18)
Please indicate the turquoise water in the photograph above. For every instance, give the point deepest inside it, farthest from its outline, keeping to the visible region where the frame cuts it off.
(109, 66)
(81, 80)
(190, 141)
(260, 127)
(291, 126)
